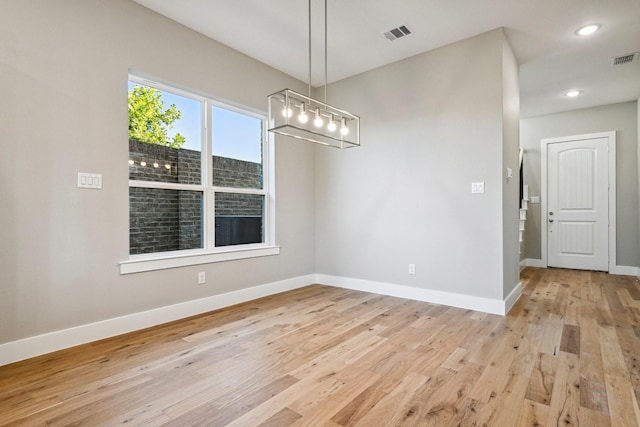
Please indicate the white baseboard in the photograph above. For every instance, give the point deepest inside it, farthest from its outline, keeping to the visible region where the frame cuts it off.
(46, 343)
(512, 298)
(486, 305)
(625, 270)
(523, 264)
(533, 262)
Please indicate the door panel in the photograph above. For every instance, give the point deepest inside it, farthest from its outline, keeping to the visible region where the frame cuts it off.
(578, 222)
(576, 237)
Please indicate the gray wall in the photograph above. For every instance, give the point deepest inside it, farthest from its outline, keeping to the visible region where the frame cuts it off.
(510, 187)
(431, 125)
(622, 118)
(64, 66)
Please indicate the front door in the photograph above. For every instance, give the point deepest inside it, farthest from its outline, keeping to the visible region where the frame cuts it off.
(578, 204)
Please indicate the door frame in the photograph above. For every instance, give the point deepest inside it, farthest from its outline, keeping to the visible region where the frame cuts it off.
(611, 148)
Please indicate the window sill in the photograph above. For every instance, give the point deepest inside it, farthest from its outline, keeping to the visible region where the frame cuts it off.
(162, 262)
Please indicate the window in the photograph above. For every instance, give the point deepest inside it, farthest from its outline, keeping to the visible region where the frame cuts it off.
(198, 180)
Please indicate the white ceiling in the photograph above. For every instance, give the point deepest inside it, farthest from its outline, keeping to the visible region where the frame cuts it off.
(552, 58)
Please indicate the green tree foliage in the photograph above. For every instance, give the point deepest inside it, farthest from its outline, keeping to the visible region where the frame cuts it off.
(149, 121)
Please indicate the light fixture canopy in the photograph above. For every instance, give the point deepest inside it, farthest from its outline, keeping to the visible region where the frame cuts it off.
(283, 122)
(588, 29)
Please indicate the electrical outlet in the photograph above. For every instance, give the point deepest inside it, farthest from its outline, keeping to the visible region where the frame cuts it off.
(201, 278)
(412, 269)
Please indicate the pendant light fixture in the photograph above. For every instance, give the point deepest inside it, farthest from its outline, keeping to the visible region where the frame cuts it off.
(303, 117)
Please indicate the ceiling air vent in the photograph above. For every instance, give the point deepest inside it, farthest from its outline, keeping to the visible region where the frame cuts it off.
(624, 59)
(396, 33)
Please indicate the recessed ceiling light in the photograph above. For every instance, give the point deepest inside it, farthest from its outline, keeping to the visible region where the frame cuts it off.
(588, 29)
(572, 93)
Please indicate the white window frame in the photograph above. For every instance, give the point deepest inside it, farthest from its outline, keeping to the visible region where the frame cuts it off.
(210, 253)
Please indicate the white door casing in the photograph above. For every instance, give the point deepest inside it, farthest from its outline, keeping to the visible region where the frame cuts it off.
(578, 202)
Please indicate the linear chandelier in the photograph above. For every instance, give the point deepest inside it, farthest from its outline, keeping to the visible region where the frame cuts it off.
(305, 118)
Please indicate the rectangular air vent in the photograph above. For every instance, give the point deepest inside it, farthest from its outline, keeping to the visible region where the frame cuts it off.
(624, 59)
(396, 33)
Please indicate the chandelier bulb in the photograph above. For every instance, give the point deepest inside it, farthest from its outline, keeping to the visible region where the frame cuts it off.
(318, 120)
(344, 130)
(286, 112)
(303, 117)
(332, 124)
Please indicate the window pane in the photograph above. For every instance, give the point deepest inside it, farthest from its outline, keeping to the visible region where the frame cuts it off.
(239, 219)
(237, 149)
(165, 136)
(164, 220)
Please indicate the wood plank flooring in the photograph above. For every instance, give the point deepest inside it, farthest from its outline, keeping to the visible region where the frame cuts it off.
(567, 354)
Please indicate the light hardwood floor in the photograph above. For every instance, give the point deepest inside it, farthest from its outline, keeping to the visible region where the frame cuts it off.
(567, 354)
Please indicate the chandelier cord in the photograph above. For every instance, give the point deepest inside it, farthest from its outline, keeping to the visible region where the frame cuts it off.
(325, 51)
(329, 125)
(309, 48)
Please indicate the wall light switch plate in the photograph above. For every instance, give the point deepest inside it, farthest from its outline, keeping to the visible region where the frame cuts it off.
(477, 187)
(90, 180)
(535, 199)
(412, 269)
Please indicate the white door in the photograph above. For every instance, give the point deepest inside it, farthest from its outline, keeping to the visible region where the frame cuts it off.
(578, 204)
